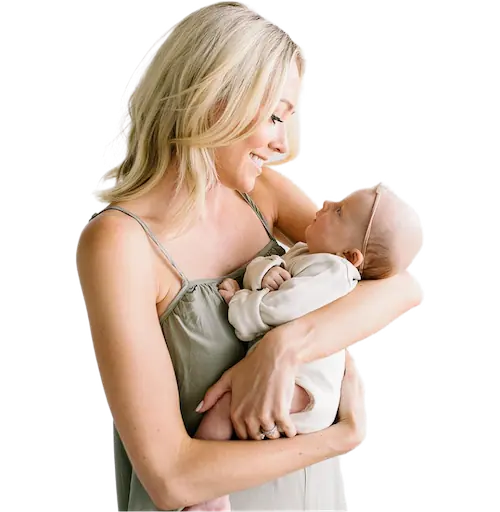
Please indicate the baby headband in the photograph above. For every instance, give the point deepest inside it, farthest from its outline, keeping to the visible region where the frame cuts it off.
(378, 195)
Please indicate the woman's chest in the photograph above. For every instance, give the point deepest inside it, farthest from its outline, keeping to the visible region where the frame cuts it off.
(208, 254)
(214, 250)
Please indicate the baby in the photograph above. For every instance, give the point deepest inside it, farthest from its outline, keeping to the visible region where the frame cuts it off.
(371, 234)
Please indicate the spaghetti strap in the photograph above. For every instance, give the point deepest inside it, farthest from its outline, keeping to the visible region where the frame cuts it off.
(255, 208)
(149, 233)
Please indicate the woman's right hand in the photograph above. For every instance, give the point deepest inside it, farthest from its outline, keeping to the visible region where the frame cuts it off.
(351, 411)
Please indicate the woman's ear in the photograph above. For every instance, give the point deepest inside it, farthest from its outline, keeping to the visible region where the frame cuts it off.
(354, 256)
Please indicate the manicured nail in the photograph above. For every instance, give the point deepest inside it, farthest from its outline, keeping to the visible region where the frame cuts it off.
(200, 405)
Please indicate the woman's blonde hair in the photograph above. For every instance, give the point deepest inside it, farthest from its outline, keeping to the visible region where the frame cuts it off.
(216, 76)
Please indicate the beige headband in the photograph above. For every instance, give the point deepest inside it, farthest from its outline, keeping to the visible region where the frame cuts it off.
(378, 195)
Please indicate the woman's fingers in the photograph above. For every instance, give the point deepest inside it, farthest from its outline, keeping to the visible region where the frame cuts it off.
(285, 425)
(261, 391)
(269, 428)
(351, 371)
(254, 429)
(239, 427)
(259, 429)
(349, 362)
(352, 407)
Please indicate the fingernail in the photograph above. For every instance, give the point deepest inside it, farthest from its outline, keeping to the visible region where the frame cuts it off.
(200, 405)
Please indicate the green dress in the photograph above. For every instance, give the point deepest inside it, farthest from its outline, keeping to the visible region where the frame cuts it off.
(202, 345)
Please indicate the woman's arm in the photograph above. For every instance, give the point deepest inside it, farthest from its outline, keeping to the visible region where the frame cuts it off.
(116, 269)
(370, 307)
(209, 469)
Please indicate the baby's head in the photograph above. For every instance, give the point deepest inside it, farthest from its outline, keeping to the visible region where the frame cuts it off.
(373, 228)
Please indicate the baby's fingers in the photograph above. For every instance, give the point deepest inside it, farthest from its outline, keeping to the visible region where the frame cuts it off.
(226, 295)
(270, 283)
(284, 274)
(229, 285)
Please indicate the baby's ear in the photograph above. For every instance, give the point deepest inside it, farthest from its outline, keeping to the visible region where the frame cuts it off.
(354, 256)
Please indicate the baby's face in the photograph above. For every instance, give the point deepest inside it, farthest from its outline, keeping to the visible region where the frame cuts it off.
(341, 226)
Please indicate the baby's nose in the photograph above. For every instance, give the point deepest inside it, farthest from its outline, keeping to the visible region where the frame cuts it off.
(326, 205)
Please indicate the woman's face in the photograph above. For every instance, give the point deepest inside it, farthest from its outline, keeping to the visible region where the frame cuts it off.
(239, 164)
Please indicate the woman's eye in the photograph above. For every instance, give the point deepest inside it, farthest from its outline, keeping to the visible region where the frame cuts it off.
(275, 119)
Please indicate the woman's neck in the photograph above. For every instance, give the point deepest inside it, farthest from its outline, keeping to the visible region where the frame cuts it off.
(158, 204)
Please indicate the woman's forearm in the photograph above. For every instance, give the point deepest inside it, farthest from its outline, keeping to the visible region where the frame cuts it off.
(368, 308)
(208, 469)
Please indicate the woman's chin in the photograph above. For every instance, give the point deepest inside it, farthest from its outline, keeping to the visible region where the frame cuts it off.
(246, 185)
(243, 184)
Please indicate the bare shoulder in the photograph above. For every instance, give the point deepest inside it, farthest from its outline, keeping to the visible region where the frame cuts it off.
(109, 233)
(113, 244)
(289, 207)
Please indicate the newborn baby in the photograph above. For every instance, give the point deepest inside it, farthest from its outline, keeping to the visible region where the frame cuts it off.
(371, 234)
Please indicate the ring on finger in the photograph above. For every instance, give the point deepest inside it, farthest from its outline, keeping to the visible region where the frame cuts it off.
(267, 433)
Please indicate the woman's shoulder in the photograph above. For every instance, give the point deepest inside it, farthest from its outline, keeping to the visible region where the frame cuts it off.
(111, 231)
(112, 237)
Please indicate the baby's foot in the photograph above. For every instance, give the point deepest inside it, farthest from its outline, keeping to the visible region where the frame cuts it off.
(228, 288)
(218, 504)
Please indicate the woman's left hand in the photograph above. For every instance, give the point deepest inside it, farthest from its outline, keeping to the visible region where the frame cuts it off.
(262, 386)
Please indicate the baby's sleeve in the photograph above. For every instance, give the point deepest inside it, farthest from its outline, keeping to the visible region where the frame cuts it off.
(245, 316)
(305, 293)
(254, 312)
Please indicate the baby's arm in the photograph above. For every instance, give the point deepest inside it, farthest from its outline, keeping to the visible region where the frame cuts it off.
(253, 313)
(244, 304)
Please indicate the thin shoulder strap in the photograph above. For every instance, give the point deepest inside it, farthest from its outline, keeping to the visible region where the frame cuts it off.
(255, 208)
(149, 233)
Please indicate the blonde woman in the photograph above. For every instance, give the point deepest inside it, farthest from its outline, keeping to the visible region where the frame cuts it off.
(193, 202)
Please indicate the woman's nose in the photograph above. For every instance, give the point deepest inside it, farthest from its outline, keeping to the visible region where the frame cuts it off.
(280, 141)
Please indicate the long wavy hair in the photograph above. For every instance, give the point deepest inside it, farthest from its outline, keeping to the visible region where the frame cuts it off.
(217, 75)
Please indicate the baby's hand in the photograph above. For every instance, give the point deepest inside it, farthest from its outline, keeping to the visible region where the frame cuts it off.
(275, 277)
(228, 288)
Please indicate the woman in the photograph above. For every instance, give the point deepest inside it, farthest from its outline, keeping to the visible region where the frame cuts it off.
(215, 104)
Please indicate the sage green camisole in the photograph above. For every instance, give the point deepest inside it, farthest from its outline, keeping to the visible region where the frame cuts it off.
(202, 345)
